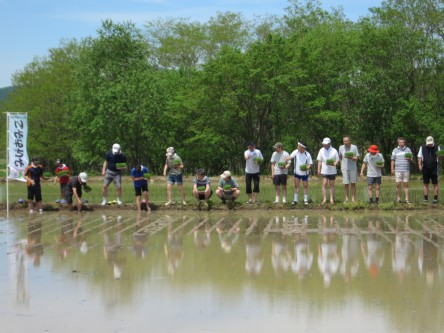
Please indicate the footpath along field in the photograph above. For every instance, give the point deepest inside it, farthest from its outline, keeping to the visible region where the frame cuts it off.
(158, 195)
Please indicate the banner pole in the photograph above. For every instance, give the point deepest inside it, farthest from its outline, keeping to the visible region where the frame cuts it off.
(7, 165)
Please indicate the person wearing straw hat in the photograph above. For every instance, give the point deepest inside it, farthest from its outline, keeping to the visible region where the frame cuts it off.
(328, 159)
(428, 164)
(374, 162)
(302, 166)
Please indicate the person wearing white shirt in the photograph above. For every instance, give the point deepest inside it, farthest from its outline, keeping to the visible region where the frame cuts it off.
(302, 165)
(328, 159)
(253, 158)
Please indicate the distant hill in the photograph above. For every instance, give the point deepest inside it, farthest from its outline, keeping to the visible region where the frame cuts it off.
(4, 92)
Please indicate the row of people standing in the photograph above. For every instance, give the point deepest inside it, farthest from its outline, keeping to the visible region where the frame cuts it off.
(348, 156)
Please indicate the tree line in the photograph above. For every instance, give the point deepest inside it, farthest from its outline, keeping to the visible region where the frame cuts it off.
(208, 88)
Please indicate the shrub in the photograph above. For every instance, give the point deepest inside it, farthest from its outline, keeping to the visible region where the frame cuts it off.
(282, 165)
(47, 174)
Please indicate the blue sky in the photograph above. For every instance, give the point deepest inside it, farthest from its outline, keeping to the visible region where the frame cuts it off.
(30, 27)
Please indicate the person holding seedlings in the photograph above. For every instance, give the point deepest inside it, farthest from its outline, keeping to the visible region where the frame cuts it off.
(228, 188)
(280, 162)
(400, 167)
(74, 188)
(328, 158)
(115, 163)
(374, 162)
(201, 188)
(63, 173)
(348, 155)
(140, 177)
(32, 175)
(174, 165)
(254, 159)
(302, 165)
(428, 163)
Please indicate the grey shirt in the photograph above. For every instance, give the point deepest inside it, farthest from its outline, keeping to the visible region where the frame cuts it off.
(370, 160)
(347, 164)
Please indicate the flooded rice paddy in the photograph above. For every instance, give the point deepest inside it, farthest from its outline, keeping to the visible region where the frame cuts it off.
(222, 272)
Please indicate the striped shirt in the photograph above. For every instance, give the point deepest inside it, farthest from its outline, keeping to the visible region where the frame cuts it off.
(401, 163)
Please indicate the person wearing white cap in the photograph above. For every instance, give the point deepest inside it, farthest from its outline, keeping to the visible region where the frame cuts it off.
(74, 188)
(348, 155)
(328, 159)
(228, 187)
(115, 163)
(302, 165)
(428, 164)
(174, 166)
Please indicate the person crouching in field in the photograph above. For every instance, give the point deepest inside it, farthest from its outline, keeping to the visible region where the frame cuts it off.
(140, 185)
(228, 188)
(201, 188)
(74, 189)
(374, 162)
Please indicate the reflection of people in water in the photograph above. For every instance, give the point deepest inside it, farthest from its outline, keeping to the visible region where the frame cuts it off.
(140, 237)
(372, 250)
(328, 257)
(280, 254)
(201, 233)
(112, 244)
(174, 247)
(228, 232)
(254, 259)
(349, 265)
(303, 256)
(34, 246)
(428, 256)
(71, 237)
(401, 249)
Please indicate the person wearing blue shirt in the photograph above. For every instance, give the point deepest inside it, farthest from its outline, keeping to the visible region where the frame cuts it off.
(140, 185)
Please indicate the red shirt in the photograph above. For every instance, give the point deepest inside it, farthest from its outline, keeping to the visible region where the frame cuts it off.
(63, 179)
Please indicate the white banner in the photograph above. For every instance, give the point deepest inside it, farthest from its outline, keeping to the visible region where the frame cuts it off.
(18, 154)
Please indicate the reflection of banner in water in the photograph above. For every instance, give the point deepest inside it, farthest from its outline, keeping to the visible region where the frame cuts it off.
(17, 139)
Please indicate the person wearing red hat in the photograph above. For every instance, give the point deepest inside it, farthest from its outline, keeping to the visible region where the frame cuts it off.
(372, 161)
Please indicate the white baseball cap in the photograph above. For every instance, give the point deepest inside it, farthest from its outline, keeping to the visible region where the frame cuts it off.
(430, 141)
(116, 148)
(326, 141)
(83, 177)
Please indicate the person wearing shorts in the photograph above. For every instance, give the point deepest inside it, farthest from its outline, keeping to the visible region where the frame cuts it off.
(32, 175)
(113, 174)
(279, 171)
(201, 181)
(140, 186)
(349, 167)
(227, 194)
(74, 189)
(174, 166)
(374, 172)
(301, 157)
(428, 165)
(400, 167)
(327, 171)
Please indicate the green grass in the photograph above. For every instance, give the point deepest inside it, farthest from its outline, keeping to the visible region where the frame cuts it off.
(158, 194)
